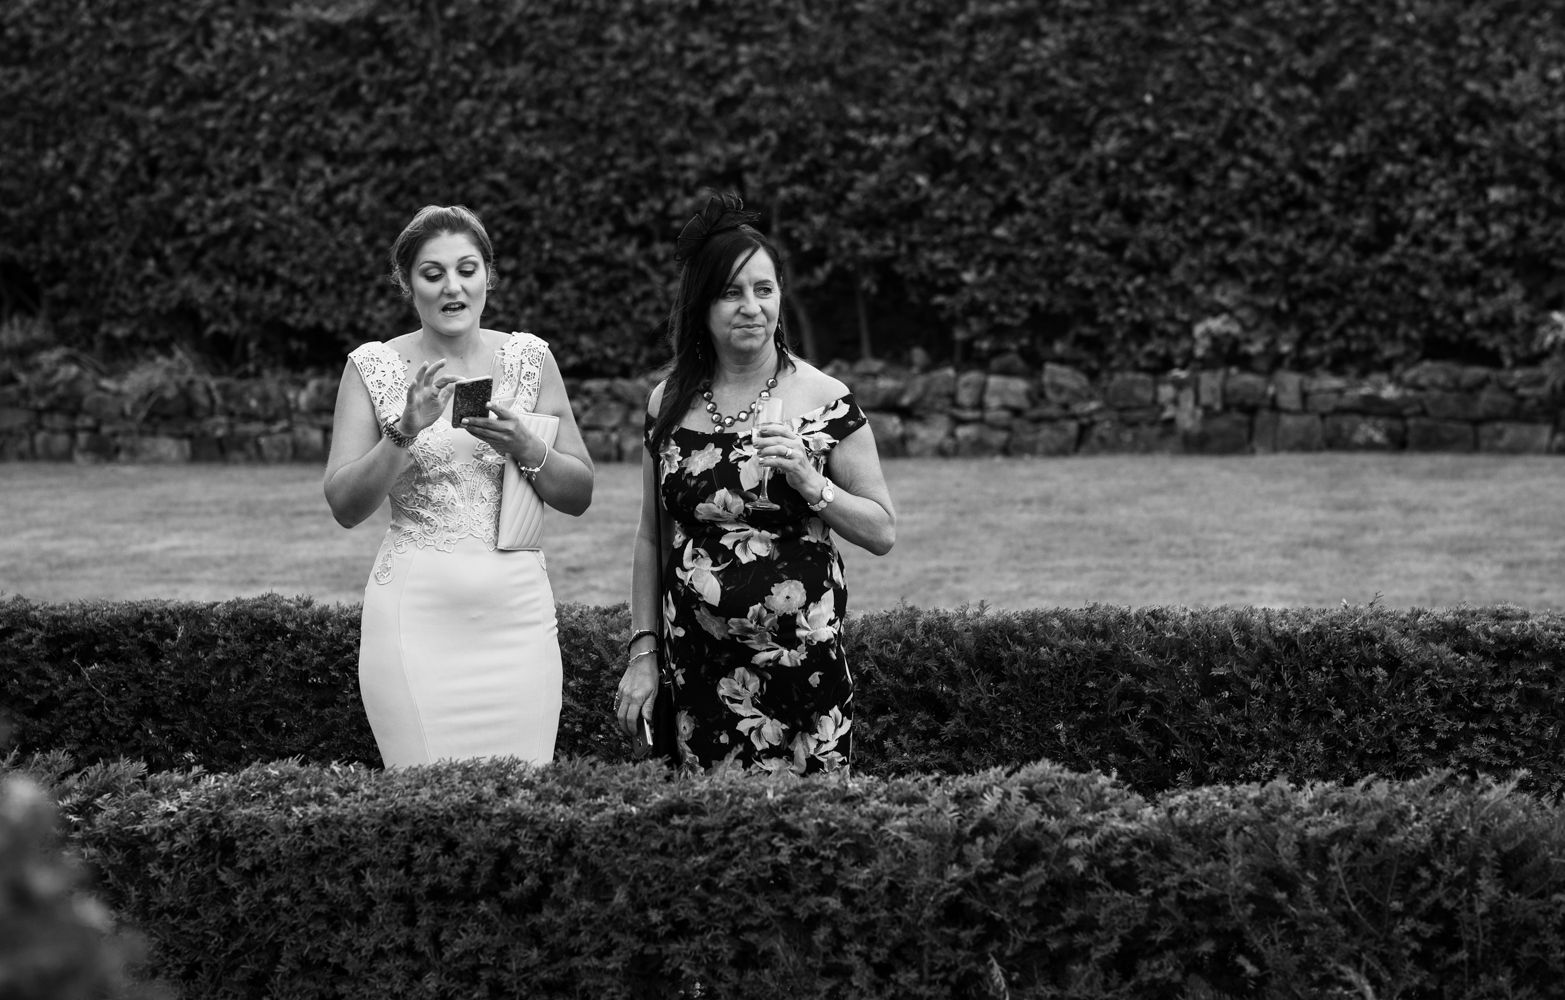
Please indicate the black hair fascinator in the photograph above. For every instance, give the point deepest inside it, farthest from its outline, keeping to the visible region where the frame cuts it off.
(721, 214)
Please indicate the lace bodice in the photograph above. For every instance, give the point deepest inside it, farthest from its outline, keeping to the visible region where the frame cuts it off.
(451, 489)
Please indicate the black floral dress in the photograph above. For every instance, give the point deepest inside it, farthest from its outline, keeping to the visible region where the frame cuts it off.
(752, 603)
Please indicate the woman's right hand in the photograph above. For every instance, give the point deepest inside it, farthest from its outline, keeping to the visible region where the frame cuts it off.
(428, 394)
(638, 689)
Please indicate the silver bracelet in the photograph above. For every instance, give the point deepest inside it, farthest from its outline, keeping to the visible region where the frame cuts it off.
(637, 656)
(532, 474)
(395, 435)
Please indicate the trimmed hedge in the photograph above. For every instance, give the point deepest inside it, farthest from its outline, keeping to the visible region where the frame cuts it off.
(1163, 697)
(1356, 183)
(587, 880)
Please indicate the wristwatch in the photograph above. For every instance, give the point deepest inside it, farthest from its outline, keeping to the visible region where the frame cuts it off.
(394, 434)
(828, 494)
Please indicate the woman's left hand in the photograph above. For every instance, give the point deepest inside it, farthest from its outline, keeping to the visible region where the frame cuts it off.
(780, 448)
(505, 434)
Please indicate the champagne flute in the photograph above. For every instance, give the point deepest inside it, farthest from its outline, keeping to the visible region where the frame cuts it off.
(767, 411)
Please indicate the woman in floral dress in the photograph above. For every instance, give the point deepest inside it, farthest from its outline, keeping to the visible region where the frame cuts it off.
(740, 608)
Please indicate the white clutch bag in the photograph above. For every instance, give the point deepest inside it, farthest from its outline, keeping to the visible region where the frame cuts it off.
(521, 510)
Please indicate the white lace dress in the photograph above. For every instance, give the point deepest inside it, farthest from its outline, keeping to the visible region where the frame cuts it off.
(459, 654)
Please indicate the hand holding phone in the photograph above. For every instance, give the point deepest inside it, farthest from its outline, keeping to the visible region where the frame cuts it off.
(470, 399)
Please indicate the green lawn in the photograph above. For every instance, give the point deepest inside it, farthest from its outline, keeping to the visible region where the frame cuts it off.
(1285, 530)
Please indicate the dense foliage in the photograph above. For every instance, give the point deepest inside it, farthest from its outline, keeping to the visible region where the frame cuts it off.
(54, 940)
(1137, 184)
(1165, 698)
(586, 880)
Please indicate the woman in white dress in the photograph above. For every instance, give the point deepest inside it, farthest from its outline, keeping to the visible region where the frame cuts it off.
(459, 655)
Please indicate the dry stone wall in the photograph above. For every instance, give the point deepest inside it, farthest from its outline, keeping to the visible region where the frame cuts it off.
(1007, 409)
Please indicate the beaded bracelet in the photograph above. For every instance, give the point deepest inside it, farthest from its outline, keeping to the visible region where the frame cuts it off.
(532, 473)
(638, 634)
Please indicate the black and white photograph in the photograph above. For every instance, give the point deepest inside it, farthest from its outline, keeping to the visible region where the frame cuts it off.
(836, 499)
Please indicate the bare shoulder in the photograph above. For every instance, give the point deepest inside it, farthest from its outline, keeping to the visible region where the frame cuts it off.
(815, 387)
(655, 399)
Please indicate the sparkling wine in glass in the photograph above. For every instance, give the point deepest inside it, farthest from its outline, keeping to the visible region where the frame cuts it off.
(767, 411)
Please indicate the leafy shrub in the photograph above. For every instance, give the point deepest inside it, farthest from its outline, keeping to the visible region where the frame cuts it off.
(54, 940)
(589, 880)
(1355, 183)
(1163, 697)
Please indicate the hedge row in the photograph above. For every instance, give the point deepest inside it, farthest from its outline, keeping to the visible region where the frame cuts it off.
(1354, 183)
(1163, 697)
(289, 882)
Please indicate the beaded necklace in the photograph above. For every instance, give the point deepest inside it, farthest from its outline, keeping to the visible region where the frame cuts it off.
(742, 415)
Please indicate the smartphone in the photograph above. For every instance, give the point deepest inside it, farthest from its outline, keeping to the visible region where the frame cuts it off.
(470, 398)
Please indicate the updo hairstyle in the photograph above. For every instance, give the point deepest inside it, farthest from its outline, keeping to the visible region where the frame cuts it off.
(430, 222)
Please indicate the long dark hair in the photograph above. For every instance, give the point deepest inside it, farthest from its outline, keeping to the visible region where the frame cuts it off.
(706, 273)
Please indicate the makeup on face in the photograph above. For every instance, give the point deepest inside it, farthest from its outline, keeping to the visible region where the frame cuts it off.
(450, 283)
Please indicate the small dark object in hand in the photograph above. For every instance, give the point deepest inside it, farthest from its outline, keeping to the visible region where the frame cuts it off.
(469, 401)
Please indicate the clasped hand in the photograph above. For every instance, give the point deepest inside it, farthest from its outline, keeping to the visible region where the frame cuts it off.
(505, 434)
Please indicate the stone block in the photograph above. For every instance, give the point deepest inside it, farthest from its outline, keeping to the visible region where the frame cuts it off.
(1361, 432)
(319, 395)
(1110, 437)
(1444, 405)
(274, 448)
(1263, 431)
(170, 404)
(53, 446)
(1494, 403)
(930, 392)
(154, 448)
(1428, 434)
(632, 392)
(1209, 389)
(1065, 386)
(202, 401)
(103, 406)
(1523, 381)
(1052, 437)
(1010, 363)
(1299, 432)
(602, 445)
(604, 413)
(1556, 444)
(887, 428)
(869, 366)
(929, 436)
(16, 447)
(1438, 375)
(880, 391)
(13, 418)
(1326, 383)
(999, 418)
(57, 421)
(254, 399)
(631, 446)
(970, 390)
(1508, 437)
(980, 440)
(1221, 434)
(206, 448)
(1246, 391)
(92, 447)
(84, 422)
(240, 443)
(1288, 391)
(309, 443)
(1124, 390)
(1008, 392)
(1381, 399)
(1322, 402)
(10, 396)
(1139, 415)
